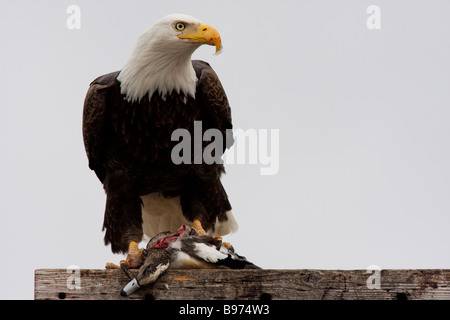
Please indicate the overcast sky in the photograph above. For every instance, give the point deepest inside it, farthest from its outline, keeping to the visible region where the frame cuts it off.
(363, 119)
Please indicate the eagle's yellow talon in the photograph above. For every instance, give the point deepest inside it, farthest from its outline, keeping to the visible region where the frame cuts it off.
(227, 245)
(198, 230)
(197, 226)
(110, 265)
(216, 240)
(124, 262)
(135, 257)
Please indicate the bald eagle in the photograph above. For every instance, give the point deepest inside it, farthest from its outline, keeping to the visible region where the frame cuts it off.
(128, 120)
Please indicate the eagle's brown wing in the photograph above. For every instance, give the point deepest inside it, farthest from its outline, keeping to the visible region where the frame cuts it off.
(94, 118)
(215, 101)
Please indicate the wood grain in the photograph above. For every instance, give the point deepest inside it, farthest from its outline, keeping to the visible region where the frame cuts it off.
(213, 284)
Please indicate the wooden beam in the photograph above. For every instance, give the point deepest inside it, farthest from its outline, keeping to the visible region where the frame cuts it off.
(248, 285)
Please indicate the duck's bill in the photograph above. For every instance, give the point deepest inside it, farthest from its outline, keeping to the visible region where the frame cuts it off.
(131, 287)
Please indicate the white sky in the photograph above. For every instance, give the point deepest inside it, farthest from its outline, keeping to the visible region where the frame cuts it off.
(363, 117)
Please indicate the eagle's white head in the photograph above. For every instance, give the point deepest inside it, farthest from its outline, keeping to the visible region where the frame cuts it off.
(161, 60)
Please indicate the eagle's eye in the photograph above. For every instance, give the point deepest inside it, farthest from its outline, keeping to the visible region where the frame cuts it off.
(180, 26)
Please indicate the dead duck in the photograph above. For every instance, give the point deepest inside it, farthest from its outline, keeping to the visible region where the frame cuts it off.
(187, 248)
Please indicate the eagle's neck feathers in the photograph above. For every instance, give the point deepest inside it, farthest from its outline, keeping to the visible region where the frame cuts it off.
(158, 66)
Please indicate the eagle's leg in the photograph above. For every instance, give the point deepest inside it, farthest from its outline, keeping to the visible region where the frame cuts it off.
(134, 258)
(217, 241)
(198, 229)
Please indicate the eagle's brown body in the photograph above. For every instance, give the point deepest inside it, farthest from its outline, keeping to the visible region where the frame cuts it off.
(129, 147)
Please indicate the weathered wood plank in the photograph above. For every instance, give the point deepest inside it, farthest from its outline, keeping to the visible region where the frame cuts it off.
(249, 284)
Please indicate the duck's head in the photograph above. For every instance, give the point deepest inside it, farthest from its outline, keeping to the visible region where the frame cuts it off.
(155, 265)
(157, 260)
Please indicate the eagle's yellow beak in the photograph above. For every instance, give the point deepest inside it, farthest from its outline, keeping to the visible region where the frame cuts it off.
(206, 35)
